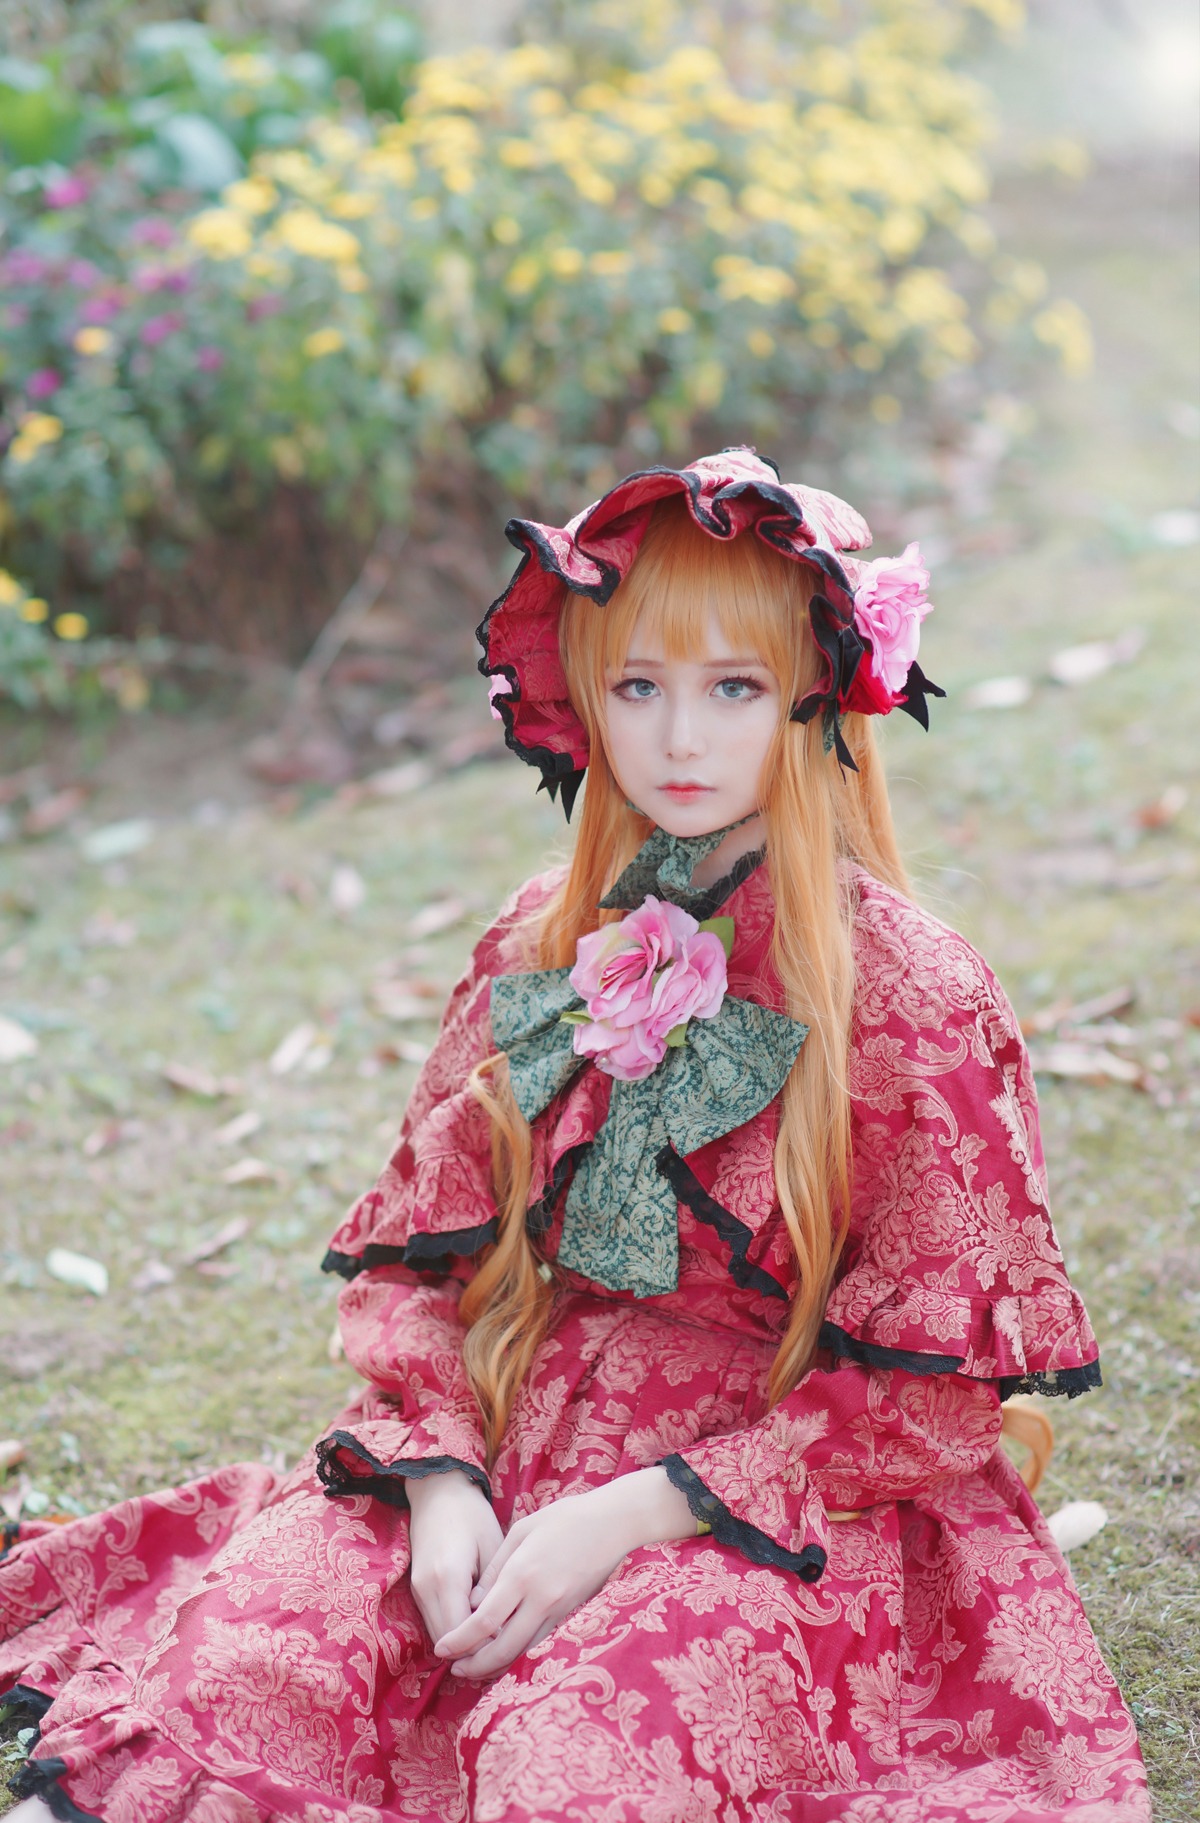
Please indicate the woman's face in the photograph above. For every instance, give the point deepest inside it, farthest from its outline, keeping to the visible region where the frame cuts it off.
(687, 738)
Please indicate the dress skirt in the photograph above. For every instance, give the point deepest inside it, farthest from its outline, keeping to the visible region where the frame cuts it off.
(246, 1648)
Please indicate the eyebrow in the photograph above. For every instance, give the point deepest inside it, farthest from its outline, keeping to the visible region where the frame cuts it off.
(708, 664)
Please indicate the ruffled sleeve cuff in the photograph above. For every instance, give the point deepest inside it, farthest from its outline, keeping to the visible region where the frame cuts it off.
(380, 1456)
(767, 1522)
(1034, 1341)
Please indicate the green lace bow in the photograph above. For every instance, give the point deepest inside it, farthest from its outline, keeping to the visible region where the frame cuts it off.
(619, 1224)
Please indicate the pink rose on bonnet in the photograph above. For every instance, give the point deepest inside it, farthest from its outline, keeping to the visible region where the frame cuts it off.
(639, 979)
(890, 603)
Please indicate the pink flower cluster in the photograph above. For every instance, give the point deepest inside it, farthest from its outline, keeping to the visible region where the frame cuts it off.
(639, 980)
(890, 602)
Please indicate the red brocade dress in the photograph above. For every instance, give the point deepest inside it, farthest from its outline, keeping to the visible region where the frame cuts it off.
(247, 1647)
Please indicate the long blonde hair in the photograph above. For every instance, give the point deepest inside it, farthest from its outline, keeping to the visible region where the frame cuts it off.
(814, 815)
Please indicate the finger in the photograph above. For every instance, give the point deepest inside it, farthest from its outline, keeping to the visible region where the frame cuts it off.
(490, 1571)
(445, 1603)
(489, 1617)
(491, 1539)
(509, 1643)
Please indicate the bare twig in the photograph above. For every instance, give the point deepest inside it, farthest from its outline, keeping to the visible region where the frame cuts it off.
(354, 606)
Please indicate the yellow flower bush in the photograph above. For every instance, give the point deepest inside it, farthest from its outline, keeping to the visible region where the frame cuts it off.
(92, 340)
(555, 261)
(37, 430)
(655, 247)
(323, 341)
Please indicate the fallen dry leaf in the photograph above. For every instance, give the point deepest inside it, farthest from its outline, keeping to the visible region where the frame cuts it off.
(1162, 811)
(316, 758)
(1088, 1012)
(52, 812)
(79, 1270)
(485, 743)
(15, 1041)
(241, 1127)
(192, 1080)
(108, 1137)
(334, 1348)
(14, 785)
(1177, 527)
(439, 915)
(1080, 664)
(347, 890)
(1077, 1522)
(250, 1171)
(297, 887)
(224, 1237)
(403, 1050)
(117, 841)
(1105, 1031)
(405, 1000)
(152, 1276)
(1091, 1063)
(105, 930)
(398, 781)
(998, 693)
(290, 1051)
(12, 1451)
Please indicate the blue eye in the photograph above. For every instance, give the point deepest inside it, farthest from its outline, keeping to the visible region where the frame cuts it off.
(739, 689)
(636, 689)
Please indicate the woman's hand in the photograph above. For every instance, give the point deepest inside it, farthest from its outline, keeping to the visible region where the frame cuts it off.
(554, 1560)
(453, 1534)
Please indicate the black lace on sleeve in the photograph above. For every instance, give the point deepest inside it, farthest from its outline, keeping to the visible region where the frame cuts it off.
(431, 1253)
(1066, 1382)
(807, 1564)
(387, 1479)
(873, 1354)
(1060, 1383)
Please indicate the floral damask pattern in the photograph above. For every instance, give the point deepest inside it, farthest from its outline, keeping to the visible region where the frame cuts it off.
(246, 1648)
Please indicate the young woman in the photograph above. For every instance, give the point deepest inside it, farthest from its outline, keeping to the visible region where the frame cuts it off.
(714, 1238)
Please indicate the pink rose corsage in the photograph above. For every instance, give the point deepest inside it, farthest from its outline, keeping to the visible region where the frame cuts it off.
(890, 602)
(641, 981)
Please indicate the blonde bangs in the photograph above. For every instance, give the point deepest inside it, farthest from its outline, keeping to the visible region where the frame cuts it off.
(684, 578)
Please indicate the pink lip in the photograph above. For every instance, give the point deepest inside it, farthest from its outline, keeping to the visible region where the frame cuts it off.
(686, 791)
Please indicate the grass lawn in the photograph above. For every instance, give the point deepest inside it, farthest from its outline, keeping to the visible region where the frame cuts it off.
(1042, 831)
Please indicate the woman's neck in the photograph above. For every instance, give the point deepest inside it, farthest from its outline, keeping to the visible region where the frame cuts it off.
(742, 840)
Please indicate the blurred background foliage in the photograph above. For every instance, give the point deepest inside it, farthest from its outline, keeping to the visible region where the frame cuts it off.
(277, 249)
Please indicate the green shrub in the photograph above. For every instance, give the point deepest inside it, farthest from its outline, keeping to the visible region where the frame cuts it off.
(554, 262)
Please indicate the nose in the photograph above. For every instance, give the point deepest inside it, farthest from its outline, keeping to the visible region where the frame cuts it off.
(684, 739)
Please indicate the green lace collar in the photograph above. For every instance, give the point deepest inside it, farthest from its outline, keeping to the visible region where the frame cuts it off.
(664, 866)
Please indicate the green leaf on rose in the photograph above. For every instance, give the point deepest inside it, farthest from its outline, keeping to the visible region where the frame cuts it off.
(575, 1018)
(678, 1033)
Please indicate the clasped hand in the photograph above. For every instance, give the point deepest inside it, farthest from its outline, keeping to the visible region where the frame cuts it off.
(486, 1597)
